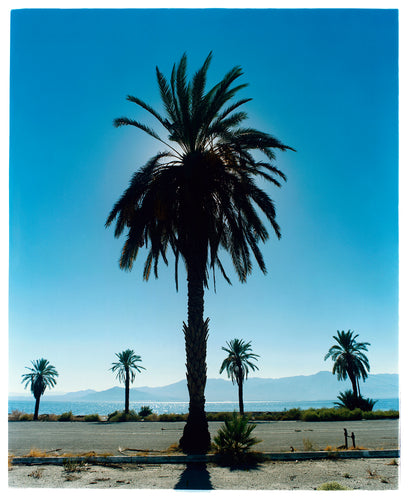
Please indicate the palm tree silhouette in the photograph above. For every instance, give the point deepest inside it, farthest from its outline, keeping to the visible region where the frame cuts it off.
(198, 197)
(348, 359)
(126, 369)
(237, 365)
(40, 376)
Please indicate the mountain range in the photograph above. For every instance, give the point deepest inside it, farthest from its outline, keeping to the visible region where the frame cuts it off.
(320, 386)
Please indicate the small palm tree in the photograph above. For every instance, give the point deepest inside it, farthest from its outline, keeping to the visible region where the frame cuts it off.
(199, 196)
(237, 365)
(234, 440)
(126, 369)
(349, 360)
(40, 376)
(347, 400)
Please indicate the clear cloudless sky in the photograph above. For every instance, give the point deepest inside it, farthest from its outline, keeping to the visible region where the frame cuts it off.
(323, 81)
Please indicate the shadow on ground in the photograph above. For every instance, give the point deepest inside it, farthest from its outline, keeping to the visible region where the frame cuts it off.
(194, 477)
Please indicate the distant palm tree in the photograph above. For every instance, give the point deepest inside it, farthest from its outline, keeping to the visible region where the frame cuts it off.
(126, 369)
(237, 365)
(197, 197)
(40, 376)
(349, 360)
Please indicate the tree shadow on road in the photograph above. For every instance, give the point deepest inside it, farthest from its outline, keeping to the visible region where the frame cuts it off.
(194, 477)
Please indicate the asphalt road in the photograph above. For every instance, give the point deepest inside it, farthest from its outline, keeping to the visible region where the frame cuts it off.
(81, 437)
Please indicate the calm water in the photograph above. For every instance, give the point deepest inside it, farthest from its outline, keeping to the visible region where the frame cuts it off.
(104, 408)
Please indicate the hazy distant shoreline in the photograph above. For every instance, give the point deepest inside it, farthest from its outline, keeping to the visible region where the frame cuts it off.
(107, 407)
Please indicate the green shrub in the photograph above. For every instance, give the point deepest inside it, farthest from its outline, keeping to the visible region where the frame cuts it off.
(333, 485)
(122, 416)
(26, 416)
(327, 414)
(145, 411)
(66, 417)
(172, 417)
(93, 417)
(310, 416)
(218, 416)
(356, 414)
(292, 414)
(234, 441)
(373, 415)
(154, 417)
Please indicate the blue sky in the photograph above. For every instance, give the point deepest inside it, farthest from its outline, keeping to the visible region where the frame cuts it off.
(323, 81)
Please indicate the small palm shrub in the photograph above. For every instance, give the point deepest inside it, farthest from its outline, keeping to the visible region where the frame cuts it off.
(145, 411)
(349, 401)
(234, 441)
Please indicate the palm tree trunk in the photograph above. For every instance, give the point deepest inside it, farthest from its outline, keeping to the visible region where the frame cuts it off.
(127, 391)
(241, 395)
(196, 436)
(353, 383)
(36, 409)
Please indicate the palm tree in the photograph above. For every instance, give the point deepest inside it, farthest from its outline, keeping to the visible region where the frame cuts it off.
(40, 376)
(237, 365)
(197, 197)
(349, 360)
(126, 369)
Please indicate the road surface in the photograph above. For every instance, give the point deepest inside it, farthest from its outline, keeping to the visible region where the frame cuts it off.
(81, 437)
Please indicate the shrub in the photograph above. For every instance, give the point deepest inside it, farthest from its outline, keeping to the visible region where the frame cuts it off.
(66, 417)
(233, 440)
(292, 414)
(310, 416)
(15, 415)
(26, 416)
(74, 464)
(145, 411)
(349, 401)
(93, 417)
(154, 417)
(372, 415)
(333, 485)
(308, 445)
(218, 416)
(172, 417)
(121, 416)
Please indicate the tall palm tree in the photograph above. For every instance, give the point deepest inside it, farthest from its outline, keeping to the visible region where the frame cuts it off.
(237, 365)
(40, 376)
(126, 369)
(349, 360)
(198, 197)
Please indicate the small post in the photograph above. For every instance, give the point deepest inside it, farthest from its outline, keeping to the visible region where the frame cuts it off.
(345, 438)
(353, 438)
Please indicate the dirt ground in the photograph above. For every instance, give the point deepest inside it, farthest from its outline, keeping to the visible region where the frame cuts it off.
(355, 474)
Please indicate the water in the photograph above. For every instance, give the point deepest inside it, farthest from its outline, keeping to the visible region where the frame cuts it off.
(104, 408)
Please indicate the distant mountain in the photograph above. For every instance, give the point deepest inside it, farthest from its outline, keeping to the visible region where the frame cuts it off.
(320, 386)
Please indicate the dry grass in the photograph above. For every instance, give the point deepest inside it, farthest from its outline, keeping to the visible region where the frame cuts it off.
(174, 448)
(308, 445)
(34, 452)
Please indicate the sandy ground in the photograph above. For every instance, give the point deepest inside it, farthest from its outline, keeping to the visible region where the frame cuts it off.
(356, 474)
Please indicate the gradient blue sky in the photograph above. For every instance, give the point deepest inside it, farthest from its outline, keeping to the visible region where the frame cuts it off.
(323, 81)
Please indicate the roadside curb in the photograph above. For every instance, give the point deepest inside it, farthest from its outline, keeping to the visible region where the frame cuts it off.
(184, 459)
